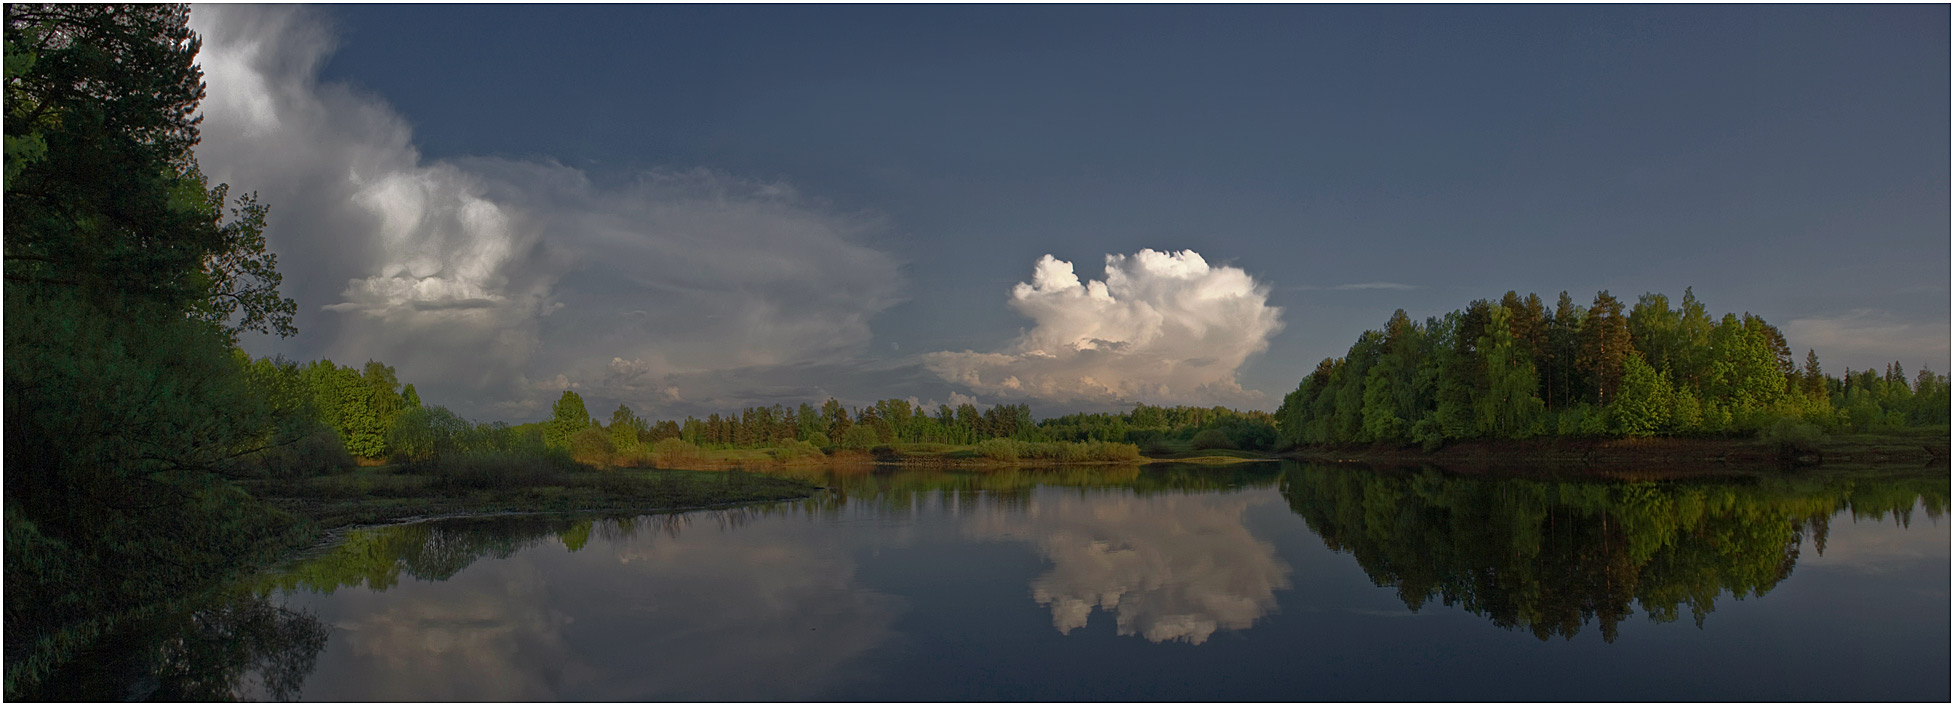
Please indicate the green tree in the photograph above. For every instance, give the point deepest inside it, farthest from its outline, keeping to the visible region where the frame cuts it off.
(626, 428)
(859, 437)
(111, 201)
(1564, 381)
(1645, 402)
(567, 418)
(1508, 407)
(1605, 345)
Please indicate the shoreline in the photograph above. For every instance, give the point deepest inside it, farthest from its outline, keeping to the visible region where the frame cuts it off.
(1907, 448)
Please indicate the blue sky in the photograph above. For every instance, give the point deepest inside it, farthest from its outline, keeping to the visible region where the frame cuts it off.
(902, 168)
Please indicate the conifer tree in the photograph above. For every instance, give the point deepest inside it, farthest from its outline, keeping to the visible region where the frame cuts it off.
(1605, 345)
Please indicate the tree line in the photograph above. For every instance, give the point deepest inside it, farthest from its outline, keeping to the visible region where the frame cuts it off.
(1512, 369)
(834, 425)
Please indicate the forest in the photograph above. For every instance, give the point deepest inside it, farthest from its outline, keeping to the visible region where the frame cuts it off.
(1511, 370)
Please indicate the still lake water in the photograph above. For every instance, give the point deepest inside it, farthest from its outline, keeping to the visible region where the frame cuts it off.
(1261, 582)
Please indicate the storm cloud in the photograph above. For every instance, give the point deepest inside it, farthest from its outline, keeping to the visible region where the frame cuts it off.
(495, 283)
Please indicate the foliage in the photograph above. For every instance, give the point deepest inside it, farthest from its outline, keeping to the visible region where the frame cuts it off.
(672, 453)
(591, 445)
(859, 437)
(567, 418)
(1508, 370)
(1212, 439)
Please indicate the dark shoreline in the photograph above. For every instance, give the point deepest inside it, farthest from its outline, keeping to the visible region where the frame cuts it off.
(1899, 449)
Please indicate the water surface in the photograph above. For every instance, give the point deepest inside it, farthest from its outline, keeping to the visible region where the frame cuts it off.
(1267, 582)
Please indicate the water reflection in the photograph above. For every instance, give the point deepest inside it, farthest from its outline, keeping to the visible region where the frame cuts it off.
(1169, 568)
(237, 645)
(907, 584)
(617, 609)
(1552, 556)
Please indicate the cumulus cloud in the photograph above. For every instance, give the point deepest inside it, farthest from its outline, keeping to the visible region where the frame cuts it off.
(1869, 338)
(1169, 568)
(476, 277)
(1160, 327)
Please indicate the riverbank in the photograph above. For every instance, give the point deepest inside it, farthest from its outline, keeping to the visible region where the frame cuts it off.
(386, 494)
(1665, 456)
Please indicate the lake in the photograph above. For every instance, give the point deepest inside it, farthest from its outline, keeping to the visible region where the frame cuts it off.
(1258, 582)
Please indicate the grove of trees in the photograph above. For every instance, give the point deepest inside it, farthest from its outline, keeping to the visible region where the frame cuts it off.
(1511, 369)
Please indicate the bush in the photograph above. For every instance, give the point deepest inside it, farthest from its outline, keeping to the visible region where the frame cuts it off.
(1212, 439)
(317, 452)
(791, 450)
(860, 437)
(999, 449)
(1792, 437)
(490, 470)
(671, 453)
(819, 440)
(591, 445)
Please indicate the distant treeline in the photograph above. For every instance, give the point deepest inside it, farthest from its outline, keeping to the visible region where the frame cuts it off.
(895, 421)
(1512, 369)
(366, 412)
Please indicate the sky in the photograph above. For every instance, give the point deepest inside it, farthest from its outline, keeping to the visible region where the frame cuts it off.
(690, 209)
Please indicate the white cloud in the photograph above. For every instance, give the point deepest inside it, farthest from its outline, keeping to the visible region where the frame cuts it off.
(476, 276)
(1161, 327)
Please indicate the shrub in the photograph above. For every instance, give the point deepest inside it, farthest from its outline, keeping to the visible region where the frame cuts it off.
(860, 437)
(317, 452)
(669, 453)
(790, 450)
(591, 445)
(819, 440)
(1212, 439)
(999, 449)
(489, 470)
(1792, 437)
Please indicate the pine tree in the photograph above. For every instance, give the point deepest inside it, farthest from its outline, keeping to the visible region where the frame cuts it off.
(1605, 345)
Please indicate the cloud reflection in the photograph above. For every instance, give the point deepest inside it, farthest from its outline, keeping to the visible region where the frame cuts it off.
(766, 612)
(1169, 568)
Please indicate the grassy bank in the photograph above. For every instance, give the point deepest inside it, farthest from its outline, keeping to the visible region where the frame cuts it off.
(372, 495)
(1911, 448)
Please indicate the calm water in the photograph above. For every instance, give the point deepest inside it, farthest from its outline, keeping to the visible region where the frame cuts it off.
(1269, 582)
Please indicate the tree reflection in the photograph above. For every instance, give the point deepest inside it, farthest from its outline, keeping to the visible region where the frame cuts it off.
(901, 489)
(1551, 556)
(240, 646)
